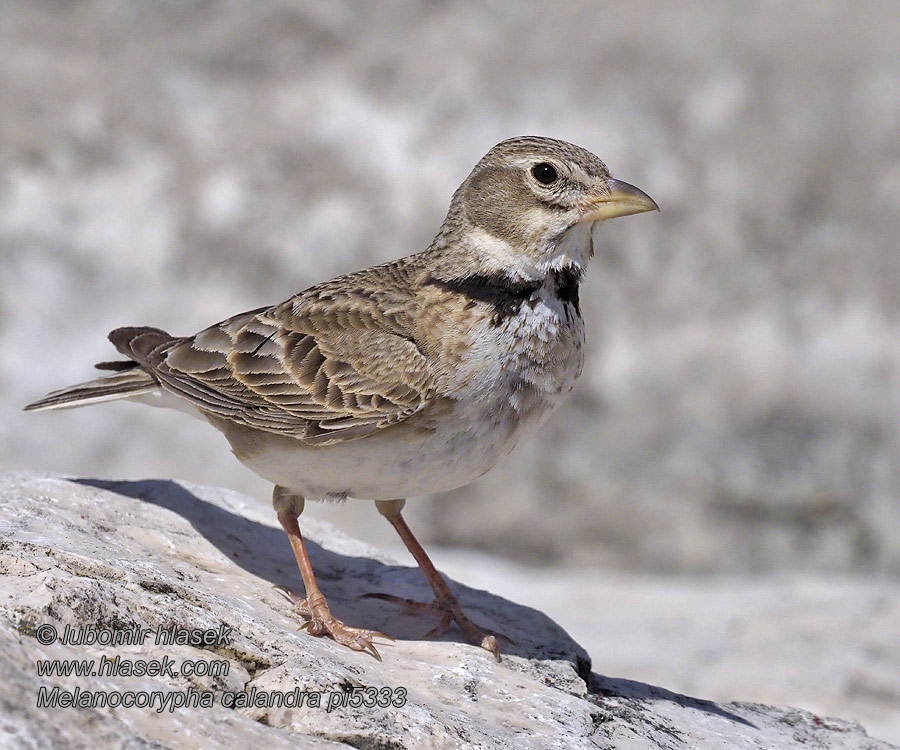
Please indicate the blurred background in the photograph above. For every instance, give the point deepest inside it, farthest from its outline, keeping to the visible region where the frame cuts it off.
(737, 426)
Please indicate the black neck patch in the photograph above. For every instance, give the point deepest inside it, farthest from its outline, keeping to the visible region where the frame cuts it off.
(498, 290)
(567, 286)
(507, 296)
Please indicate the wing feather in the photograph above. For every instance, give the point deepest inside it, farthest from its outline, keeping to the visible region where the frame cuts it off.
(334, 363)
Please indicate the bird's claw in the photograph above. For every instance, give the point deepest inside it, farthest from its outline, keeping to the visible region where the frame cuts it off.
(356, 639)
(319, 621)
(299, 603)
(448, 612)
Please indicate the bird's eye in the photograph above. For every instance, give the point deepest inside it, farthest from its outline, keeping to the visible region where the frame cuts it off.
(544, 173)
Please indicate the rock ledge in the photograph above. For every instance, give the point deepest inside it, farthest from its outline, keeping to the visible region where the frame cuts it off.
(194, 568)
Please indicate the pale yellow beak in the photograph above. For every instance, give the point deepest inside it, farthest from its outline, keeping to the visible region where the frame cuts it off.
(622, 199)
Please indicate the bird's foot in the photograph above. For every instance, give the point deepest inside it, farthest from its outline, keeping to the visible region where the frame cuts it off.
(300, 606)
(319, 621)
(448, 611)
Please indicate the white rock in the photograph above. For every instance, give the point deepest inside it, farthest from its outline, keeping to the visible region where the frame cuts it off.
(158, 554)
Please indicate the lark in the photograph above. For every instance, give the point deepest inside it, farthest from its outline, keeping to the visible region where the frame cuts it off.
(408, 378)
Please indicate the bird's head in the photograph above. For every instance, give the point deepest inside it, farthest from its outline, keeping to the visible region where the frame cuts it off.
(529, 204)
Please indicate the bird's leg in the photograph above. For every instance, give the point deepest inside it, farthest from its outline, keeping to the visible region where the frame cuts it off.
(314, 608)
(445, 604)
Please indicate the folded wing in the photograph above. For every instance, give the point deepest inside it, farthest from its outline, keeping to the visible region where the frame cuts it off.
(327, 366)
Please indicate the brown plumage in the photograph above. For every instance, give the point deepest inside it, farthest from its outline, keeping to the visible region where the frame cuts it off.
(410, 377)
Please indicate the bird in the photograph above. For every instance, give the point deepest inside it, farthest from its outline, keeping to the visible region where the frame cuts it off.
(408, 378)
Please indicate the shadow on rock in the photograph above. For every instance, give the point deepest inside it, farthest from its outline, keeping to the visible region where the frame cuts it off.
(264, 552)
(638, 693)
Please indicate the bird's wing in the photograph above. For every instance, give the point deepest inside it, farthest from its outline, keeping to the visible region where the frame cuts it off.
(334, 363)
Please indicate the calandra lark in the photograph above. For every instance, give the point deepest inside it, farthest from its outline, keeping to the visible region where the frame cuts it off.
(411, 377)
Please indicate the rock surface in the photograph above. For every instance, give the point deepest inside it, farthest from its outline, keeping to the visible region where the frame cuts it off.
(828, 644)
(119, 556)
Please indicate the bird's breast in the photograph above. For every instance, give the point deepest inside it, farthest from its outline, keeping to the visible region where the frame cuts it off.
(518, 368)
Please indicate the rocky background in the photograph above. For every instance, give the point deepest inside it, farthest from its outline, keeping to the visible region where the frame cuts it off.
(173, 163)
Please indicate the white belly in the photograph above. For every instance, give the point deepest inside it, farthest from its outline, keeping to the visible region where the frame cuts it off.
(397, 462)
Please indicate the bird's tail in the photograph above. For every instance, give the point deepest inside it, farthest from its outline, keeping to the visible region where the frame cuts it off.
(129, 380)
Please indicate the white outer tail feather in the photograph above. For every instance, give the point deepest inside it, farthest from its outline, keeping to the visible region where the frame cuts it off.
(125, 384)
